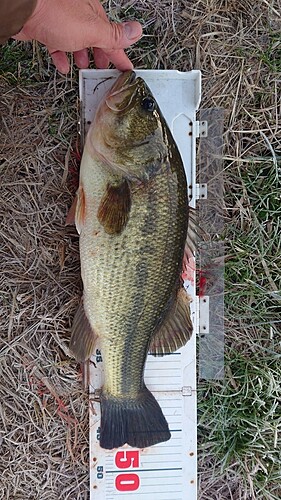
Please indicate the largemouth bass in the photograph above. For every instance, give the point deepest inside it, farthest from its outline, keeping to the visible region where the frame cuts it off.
(132, 217)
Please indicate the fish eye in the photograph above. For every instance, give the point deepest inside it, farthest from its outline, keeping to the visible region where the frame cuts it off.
(148, 104)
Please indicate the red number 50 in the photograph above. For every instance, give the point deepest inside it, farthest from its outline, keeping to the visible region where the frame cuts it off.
(127, 481)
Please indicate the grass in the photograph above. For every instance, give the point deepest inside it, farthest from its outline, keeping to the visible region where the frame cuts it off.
(44, 417)
(272, 55)
(241, 415)
(258, 248)
(23, 63)
(240, 418)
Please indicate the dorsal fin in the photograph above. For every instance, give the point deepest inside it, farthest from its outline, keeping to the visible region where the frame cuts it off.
(176, 329)
(192, 231)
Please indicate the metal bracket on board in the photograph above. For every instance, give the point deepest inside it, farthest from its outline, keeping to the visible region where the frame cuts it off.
(96, 395)
(201, 128)
(203, 314)
(187, 390)
(202, 308)
(201, 192)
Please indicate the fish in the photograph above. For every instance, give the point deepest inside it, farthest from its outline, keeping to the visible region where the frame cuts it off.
(131, 213)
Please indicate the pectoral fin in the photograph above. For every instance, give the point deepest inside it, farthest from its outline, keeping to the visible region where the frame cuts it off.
(114, 209)
(83, 337)
(176, 329)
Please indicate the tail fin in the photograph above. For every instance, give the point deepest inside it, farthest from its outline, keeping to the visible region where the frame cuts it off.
(138, 422)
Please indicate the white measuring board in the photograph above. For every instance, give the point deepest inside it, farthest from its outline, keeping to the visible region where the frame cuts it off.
(168, 471)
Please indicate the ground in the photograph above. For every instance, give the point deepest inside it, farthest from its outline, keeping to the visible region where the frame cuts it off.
(43, 415)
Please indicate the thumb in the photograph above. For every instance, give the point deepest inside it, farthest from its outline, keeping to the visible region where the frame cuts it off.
(107, 35)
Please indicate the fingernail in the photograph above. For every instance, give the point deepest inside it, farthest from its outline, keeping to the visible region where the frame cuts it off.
(133, 29)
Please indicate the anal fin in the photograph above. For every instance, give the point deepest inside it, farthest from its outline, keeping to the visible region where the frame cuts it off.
(176, 329)
(83, 337)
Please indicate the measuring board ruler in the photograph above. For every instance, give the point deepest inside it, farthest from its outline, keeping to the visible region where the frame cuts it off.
(168, 470)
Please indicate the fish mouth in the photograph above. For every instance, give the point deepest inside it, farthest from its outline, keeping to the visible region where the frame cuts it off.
(123, 81)
(122, 92)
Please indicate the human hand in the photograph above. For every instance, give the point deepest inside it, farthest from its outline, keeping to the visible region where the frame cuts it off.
(74, 26)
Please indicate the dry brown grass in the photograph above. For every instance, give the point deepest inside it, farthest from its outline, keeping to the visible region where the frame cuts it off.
(43, 414)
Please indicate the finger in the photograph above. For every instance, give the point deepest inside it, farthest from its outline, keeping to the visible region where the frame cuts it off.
(106, 35)
(21, 36)
(119, 59)
(101, 59)
(81, 58)
(60, 61)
